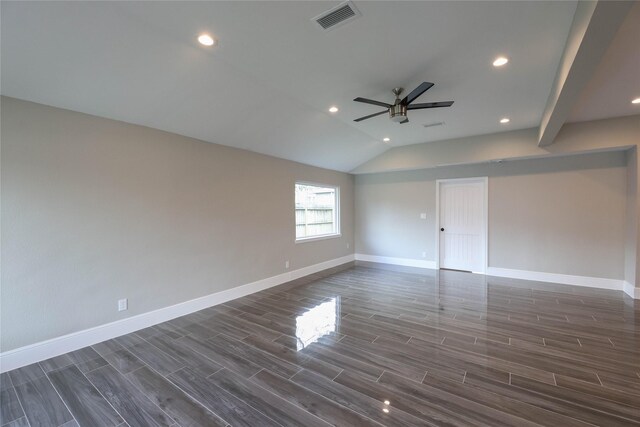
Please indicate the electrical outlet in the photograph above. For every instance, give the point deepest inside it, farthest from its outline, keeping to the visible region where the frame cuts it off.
(424, 254)
(122, 304)
(286, 264)
(348, 246)
(423, 215)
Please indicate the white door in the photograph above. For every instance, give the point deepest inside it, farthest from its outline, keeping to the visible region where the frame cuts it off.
(462, 224)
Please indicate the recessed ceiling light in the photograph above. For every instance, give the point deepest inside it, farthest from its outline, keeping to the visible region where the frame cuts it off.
(206, 40)
(500, 61)
(504, 120)
(386, 402)
(636, 101)
(333, 109)
(386, 139)
(385, 410)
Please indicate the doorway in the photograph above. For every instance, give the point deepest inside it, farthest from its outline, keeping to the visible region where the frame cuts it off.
(461, 221)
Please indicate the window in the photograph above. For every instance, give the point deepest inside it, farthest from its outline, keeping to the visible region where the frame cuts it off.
(317, 211)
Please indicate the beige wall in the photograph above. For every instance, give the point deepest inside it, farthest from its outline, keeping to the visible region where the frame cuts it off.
(94, 210)
(632, 256)
(622, 133)
(561, 215)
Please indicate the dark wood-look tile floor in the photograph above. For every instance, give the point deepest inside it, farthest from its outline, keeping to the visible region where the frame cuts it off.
(357, 346)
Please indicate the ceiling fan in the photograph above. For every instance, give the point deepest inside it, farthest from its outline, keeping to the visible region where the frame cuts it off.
(398, 110)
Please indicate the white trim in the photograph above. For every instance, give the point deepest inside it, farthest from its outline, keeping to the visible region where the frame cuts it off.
(322, 237)
(437, 235)
(485, 181)
(32, 353)
(407, 262)
(564, 279)
(631, 290)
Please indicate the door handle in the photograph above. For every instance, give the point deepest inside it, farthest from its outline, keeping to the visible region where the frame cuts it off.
(442, 229)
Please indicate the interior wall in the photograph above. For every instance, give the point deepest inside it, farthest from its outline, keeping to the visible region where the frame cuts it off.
(632, 257)
(561, 215)
(94, 210)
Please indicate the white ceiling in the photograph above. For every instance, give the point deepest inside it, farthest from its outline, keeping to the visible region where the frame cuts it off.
(616, 81)
(269, 83)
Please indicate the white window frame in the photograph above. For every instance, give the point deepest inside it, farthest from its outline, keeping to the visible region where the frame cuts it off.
(336, 213)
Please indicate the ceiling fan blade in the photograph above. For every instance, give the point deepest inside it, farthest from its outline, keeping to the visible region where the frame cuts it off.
(430, 105)
(369, 116)
(422, 88)
(371, 101)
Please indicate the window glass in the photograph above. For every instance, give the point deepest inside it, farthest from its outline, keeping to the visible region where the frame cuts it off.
(316, 211)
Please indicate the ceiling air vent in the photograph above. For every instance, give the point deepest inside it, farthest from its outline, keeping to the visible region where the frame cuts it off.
(339, 15)
(429, 125)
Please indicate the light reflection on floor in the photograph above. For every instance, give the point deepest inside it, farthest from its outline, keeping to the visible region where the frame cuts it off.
(319, 321)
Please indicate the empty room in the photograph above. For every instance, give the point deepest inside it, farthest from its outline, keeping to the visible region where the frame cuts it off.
(319, 213)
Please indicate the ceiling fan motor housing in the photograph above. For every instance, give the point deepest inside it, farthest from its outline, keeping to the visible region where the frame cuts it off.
(398, 112)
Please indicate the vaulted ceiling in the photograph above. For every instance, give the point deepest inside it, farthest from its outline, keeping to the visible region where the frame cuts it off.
(616, 80)
(268, 84)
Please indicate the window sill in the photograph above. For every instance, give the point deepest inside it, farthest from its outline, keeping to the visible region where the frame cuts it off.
(314, 238)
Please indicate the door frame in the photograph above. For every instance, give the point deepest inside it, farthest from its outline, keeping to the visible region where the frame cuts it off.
(485, 182)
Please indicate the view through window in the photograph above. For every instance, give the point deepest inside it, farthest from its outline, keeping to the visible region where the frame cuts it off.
(316, 211)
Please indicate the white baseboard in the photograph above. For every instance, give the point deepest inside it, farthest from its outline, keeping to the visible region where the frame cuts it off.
(565, 279)
(407, 262)
(631, 290)
(26, 355)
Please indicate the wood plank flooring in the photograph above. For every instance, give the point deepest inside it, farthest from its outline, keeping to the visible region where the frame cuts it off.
(357, 346)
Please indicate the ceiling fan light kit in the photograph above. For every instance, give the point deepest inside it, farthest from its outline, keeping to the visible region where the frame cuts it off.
(398, 110)
(398, 113)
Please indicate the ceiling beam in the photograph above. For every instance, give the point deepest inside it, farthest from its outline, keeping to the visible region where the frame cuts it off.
(594, 26)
